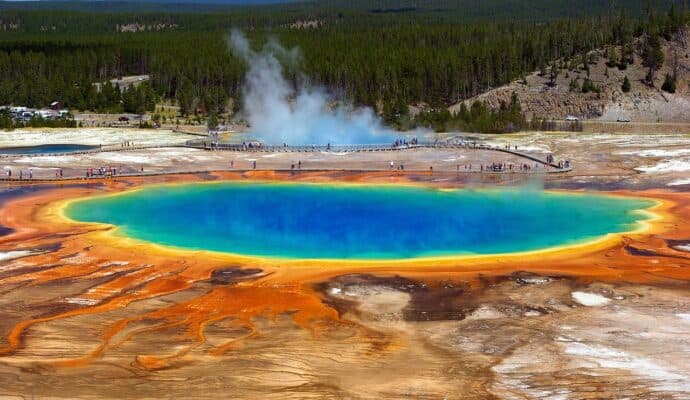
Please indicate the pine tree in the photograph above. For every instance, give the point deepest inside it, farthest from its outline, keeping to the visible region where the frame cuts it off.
(212, 121)
(612, 57)
(669, 84)
(625, 87)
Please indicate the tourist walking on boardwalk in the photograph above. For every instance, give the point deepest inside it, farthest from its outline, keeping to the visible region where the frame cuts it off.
(31, 173)
(254, 164)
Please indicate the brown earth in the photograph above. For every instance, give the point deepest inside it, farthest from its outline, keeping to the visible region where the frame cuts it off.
(642, 104)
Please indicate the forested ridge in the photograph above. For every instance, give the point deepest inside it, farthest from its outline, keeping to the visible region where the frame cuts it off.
(385, 57)
(456, 10)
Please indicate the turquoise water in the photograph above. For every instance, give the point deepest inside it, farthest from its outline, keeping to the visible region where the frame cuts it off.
(362, 222)
(46, 149)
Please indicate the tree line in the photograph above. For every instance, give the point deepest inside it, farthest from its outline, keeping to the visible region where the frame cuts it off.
(379, 59)
(9, 123)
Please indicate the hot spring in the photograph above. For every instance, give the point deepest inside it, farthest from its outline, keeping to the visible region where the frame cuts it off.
(341, 221)
(46, 149)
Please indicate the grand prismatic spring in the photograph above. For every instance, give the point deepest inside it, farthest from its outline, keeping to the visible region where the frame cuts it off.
(358, 221)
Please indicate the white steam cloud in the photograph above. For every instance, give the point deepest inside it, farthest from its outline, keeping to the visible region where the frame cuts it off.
(279, 113)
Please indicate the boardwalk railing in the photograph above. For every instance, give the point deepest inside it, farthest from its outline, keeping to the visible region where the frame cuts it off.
(349, 148)
(356, 148)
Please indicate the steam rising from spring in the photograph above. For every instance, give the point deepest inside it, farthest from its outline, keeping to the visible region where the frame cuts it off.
(278, 113)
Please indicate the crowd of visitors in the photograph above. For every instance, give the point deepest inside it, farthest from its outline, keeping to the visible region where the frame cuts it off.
(102, 171)
(548, 162)
(499, 167)
(402, 142)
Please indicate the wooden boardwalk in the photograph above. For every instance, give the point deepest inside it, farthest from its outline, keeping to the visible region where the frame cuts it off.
(410, 172)
(358, 148)
(354, 148)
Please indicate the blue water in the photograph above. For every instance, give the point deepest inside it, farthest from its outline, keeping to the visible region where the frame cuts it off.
(46, 149)
(363, 222)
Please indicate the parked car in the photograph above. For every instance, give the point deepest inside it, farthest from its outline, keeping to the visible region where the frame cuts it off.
(123, 119)
(623, 119)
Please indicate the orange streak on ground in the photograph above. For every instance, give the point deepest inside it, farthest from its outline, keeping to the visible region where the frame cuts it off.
(152, 271)
(239, 303)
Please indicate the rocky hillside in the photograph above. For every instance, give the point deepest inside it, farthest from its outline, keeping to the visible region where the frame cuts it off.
(541, 97)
